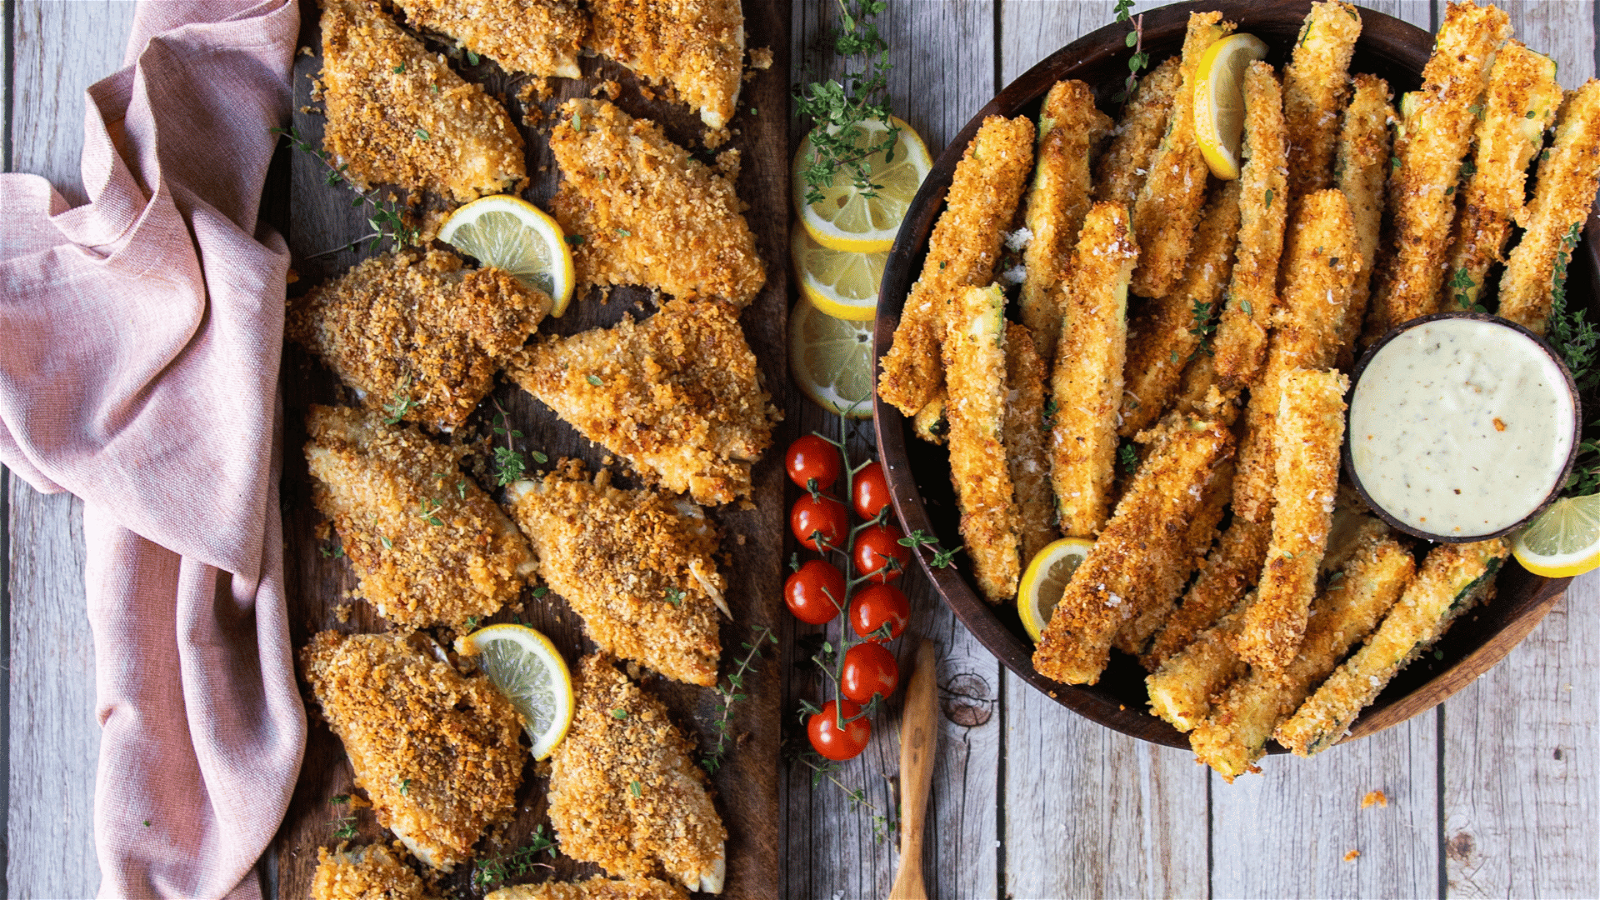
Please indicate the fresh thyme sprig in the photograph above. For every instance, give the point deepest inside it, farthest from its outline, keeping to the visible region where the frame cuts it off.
(919, 539)
(386, 221)
(396, 409)
(1578, 342)
(825, 769)
(838, 109)
(732, 693)
(346, 822)
(1135, 40)
(486, 872)
(509, 463)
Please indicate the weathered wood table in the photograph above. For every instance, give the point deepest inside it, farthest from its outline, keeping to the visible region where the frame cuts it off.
(1494, 793)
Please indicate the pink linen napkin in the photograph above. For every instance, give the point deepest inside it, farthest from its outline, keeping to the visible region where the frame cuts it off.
(140, 338)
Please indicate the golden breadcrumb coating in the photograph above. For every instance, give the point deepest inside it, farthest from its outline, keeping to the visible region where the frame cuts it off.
(1025, 431)
(534, 37)
(975, 380)
(364, 873)
(1361, 171)
(1437, 132)
(1087, 381)
(1181, 689)
(418, 333)
(1232, 568)
(696, 46)
(1316, 85)
(398, 115)
(646, 211)
(436, 752)
(637, 566)
(1168, 207)
(983, 196)
(1121, 172)
(626, 794)
(1452, 578)
(678, 396)
(1069, 126)
(1147, 536)
(1561, 201)
(429, 546)
(596, 888)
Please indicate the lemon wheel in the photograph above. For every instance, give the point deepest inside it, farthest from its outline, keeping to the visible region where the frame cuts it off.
(512, 234)
(858, 218)
(1219, 101)
(831, 360)
(529, 670)
(1045, 580)
(1563, 540)
(840, 283)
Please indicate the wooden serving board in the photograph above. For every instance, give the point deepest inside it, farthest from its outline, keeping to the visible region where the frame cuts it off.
(321, 218)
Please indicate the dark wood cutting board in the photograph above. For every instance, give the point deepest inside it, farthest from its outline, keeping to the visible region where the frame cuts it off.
(321, 218)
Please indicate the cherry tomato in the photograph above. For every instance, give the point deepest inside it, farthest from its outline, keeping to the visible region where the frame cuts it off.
(877, 605)
(819, 515)
(812, 459)
(869, 492)
(869, 669)
(833, 742)
(815, 593)
(878, 554)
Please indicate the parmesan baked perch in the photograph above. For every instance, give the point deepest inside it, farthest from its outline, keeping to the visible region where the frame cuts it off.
(596, 888)
(694, 46)
(364, 873)
(1316, 84)
(531, 37)
(1121, 172)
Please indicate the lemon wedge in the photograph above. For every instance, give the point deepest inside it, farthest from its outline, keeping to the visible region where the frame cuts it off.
(840, 283)
(1046, 579)
(1219, 101)
(526, 667)
(1563, 540)
(831, 360)
(859, 219)
(512, 234)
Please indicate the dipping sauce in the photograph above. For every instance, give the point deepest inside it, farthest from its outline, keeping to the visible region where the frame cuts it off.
(1461, 427)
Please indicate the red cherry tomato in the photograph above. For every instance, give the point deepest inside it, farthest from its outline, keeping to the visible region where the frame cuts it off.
(815, 593)
(877, 605)
(812, 459)
(833, 742)
(869, 492)
(819, 515)
(878, 554)
(869, 669)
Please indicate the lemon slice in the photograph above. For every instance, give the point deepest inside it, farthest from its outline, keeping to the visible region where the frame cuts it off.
(1219, 100)
(863, 220)
(512, 234)
(831, 360)
(842, 284)
(1046, 578)
(1563, 540)
(526, 667)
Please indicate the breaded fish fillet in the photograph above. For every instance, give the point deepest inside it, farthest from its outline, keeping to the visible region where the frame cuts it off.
(429, 546)
(625, 793)
(696, 46)
(1121, 172)
(368, 872)
(635, 565)
(437, 753)
(678, 396)
(1316, 84)
(596, 888)
(398, 115)
(643, 211)
(418, 333)
(532, 37)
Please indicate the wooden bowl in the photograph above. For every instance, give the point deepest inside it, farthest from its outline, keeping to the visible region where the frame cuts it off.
(919, 473)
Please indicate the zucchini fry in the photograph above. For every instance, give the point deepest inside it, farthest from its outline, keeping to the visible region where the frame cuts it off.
(1453, 577)
(1362, 166)
(1316, 84)
(1263, 204)
(1056, 205)
(1181, 690)
(962, 251)
(1025, 430)
(1122, 170)
(1233, 567)
(1561, 201)
(1521, 104)
(975, 373)
(1168, 207)
(1087, 382)
(1310, 430)
(1438, 124)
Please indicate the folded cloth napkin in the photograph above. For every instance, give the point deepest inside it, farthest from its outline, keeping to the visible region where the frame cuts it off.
(140, 338)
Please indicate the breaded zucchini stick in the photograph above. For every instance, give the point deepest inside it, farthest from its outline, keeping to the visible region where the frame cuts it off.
(1361, 172)
(696, 46)
(1310, 431)
(1147, 536)
(983, 197)
(1025, 430)
(1168, 208)
(363, 873)
(1163, 339)
(1235, 734)
(1322, 264)
(1453, 577)
(1181, 689)
(1232, 568)
(1522, 102)
(1121, 172)
(1316, 85)
(596, 888)
(1241, 344)
(1561, 201)
(1087, 382)
(531, 37)
(1057, 202)
(1438, 127)
(975, 377)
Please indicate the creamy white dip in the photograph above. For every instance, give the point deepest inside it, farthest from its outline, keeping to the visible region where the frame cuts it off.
(1460, 427)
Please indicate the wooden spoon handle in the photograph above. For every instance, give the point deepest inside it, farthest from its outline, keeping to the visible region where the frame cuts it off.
(919, 733)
